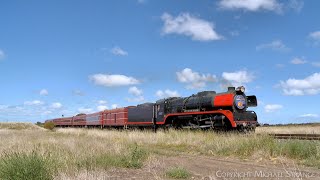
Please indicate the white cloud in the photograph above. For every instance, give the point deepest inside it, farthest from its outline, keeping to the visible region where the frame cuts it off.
(102, 102)
(309, 115)
(188, 25)
(56, 105)
(251, 5)
(315, 35)
(85, 110)
(280, 65)
(112, 80)
(296, 5)
(135, 91)
(78, 93)
(269, 108)
(276, 45)
(194, 80)
(118, 51)
(297, 61)
(316, 64)
(237, 78)
(167, 93)
(234, 33)
(141, 1)
(43, 92)
(47, 112)
(2, 54)
(34, 102)
(136, 99)
(298, 87)
(102, 107)
(114, 106)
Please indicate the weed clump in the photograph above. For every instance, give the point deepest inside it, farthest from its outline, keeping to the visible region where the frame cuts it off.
(178, 173)
(21, 165)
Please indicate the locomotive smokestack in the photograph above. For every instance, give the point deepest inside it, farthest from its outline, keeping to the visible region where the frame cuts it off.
(231, 89)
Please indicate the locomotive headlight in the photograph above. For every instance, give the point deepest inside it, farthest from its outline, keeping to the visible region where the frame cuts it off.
(241, 89)
(240, 101)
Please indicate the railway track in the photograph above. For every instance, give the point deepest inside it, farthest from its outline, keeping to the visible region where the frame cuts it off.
(297, 136)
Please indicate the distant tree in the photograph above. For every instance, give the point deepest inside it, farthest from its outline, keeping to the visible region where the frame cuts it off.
(81, 114)
(39, 124)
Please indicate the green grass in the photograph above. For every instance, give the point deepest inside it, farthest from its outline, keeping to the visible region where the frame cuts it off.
(21, 166)
(178, 173)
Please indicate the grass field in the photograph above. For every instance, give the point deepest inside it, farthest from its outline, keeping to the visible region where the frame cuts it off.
(291, 129)
(86, 153)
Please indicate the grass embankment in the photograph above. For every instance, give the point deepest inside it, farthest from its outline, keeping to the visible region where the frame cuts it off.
(70, 152)
(19, 126)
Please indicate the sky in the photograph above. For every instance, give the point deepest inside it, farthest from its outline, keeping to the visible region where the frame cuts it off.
(68, 57)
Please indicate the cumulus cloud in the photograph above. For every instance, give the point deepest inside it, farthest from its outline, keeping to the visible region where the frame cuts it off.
(309, 115)
(297, 61)
(141, 1)
(111, 80)
(85, 110)
(46, 112)
(194, 80)
(135, 99)
(298, 87)
(102, 107)
(237, 78)
(269, 108)
(276, 45)
(251, 5)
(135, 91)
(167, 93)
(296, 5)
(2, 54)
(34, 102)
(280, 65)
(118, 51)
(316, 64)
(315, 35)
(102, 102)
(114, 106)
(188, 25)
(56, 105)
(43, 92)
(78, 93)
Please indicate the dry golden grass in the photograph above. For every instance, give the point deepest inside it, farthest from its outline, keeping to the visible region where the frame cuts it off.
(19, 126)
(292, 129)
(88, 153)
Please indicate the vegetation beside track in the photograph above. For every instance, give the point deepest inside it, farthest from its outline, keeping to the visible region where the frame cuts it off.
(71, 151)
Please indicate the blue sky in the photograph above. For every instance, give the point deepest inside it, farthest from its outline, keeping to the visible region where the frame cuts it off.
(66, 57)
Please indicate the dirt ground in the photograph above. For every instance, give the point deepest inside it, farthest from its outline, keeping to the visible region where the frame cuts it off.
(205, 168)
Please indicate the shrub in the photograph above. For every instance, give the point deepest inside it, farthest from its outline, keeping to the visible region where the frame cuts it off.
(49, 125)
(22, 166)
(178, 173)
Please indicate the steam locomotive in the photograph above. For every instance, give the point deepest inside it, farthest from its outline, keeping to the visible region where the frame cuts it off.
(204, 110)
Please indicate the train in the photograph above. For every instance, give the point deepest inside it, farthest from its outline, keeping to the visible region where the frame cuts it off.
(224, 111)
